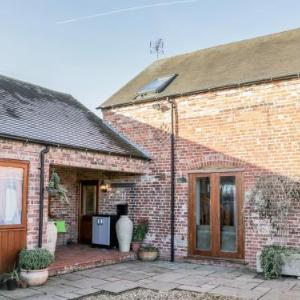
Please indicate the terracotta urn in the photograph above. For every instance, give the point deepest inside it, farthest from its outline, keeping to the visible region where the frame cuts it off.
(124, 228)
(136, 246)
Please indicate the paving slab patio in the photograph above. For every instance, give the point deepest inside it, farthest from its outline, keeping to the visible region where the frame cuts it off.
(161, 276)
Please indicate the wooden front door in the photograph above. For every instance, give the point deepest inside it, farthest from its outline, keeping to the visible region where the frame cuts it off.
(13, 211)
(215, 215)
(88, 208)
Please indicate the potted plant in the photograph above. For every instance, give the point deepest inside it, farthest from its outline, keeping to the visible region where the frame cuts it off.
(12, 280)
(55, 188)
(34, 266)
(148, 253)
(139, 232)
(2, 282)
(274, 261)
(271, 202)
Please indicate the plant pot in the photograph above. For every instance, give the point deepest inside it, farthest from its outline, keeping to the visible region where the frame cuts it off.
(34, 277)
(11, 284)
(147, 255)
(52, 192)
(3, 285)
(22, 284)
(290, 266)
(124, 228)
(51, 237)
(136, 246)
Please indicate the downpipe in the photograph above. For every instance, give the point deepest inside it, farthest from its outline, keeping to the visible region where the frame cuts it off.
(172, 169)
(42, 193)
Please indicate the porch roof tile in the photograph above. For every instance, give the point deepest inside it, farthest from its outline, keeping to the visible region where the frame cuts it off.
(28, 111)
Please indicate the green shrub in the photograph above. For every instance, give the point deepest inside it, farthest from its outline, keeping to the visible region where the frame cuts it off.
(148, 248)
(140, 230)
(271, 260)
(55, 187)
(35, 259)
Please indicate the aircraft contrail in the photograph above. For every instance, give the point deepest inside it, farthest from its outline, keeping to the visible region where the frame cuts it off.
(122, 10)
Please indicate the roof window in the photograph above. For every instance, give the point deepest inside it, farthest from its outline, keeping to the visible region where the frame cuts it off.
(157, 85)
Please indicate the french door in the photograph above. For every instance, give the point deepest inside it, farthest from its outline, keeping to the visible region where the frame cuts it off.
(215, 215)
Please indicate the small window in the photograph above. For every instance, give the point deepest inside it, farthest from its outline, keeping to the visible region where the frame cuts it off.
(157, 85)
(11, 195)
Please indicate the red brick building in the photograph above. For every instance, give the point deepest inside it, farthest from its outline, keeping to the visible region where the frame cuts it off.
(234, 114)
(41, 129)
(236, 117)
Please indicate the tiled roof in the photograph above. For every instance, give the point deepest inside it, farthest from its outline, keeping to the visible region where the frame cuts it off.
(263, 58)
(41, 115)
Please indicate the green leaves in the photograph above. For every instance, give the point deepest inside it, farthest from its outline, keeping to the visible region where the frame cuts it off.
(54, 187)
(140, 230)
(35, 259)
(272, 260)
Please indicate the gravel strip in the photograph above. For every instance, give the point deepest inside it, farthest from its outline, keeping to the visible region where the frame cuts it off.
(147, 294)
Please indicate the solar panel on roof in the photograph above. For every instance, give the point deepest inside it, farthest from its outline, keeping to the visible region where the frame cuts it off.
(157, 85)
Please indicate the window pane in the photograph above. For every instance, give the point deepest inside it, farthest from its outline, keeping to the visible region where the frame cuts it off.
(89, 199)
(157, 85)
(203, 213)
(11, 191)
(228, 213)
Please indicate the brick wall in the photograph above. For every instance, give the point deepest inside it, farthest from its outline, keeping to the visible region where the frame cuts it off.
(71, 160)
(256, 128)
(108, 201)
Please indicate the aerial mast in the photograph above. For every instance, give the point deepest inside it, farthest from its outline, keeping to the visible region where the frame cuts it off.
(157, 47)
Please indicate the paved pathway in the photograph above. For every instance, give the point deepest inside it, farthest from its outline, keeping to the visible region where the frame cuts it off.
(162, 276)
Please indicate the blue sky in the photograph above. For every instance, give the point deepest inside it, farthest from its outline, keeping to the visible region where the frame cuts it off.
(92, 58)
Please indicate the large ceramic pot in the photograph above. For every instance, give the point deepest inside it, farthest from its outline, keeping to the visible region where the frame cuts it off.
(51, 237)
(34, 277)
(144, 255)
(124, 228)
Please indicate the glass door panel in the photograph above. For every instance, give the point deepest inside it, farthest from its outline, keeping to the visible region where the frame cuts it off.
(89, 199)
(203, 232)
(228, 214)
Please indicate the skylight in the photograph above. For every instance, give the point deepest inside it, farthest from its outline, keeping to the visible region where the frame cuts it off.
(157, 85)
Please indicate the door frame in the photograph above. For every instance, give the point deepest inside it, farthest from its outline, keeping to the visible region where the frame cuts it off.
(215, 251)
(80, 206)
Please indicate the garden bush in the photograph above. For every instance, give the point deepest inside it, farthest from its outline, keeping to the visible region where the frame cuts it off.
(35, 259)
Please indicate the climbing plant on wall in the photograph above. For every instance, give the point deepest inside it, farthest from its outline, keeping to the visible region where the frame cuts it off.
(271, 200)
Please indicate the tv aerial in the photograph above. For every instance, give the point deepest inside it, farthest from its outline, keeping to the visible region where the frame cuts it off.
(157, 47)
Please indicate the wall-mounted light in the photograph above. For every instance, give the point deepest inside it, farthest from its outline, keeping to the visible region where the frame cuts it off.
(104, 187)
